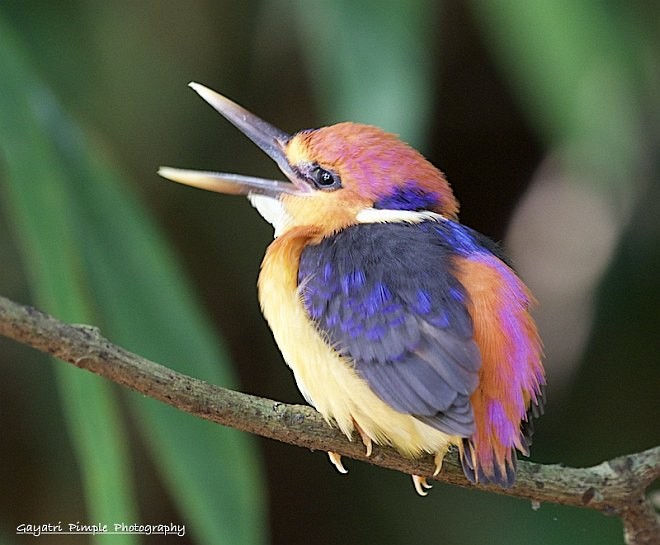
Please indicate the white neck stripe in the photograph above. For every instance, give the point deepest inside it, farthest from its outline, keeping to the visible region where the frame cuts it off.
(374, 215)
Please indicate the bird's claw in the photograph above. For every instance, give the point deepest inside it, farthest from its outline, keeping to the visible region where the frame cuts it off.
(336, 461)
(439, 457)
(336, 458)
(366, 440)
(421, 486)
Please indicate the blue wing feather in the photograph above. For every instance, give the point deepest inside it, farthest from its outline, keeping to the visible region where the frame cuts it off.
(386, 297)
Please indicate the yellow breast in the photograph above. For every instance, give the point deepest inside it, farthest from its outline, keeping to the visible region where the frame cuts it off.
(327, 380)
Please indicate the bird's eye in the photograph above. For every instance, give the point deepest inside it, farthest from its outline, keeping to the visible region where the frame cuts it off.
(324, 179)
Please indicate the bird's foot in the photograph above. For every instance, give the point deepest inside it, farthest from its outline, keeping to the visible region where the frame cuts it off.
(336, 461)
(421, 486)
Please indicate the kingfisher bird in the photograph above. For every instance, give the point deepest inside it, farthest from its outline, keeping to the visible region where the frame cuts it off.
(400, 324)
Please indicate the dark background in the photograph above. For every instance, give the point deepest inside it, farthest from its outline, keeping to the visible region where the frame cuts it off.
(545, 118)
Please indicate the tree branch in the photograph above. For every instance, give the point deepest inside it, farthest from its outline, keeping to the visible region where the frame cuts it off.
(616, 487)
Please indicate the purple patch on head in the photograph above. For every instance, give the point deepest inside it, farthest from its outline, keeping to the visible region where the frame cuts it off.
(410, 196)
(505, 431)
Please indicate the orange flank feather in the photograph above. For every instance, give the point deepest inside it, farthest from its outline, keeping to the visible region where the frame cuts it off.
(511, 372)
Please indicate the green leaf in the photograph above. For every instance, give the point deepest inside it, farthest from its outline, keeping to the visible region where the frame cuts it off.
(93, 255)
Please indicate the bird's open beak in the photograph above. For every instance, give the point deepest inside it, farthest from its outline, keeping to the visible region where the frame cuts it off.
(270, 139)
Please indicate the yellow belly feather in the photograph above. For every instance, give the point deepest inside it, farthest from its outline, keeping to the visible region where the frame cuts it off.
(327, 380)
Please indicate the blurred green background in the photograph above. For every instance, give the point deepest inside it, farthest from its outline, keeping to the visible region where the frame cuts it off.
(544, 115)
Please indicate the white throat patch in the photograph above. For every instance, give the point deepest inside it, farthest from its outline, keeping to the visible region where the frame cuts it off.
(272, 211)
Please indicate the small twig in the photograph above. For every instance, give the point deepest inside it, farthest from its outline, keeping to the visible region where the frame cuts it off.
(616, 487)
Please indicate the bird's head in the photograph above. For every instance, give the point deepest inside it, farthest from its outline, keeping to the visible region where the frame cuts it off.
(338, 175)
